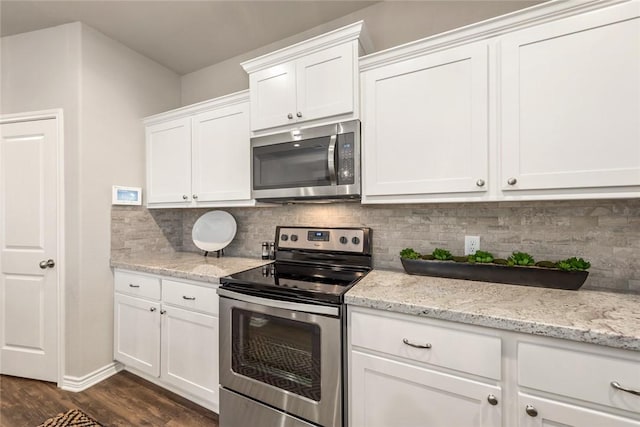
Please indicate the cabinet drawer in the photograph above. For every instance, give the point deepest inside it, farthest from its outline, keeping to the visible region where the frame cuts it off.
(580, 375)
(449, 348)
(137, 285)
(200, 298)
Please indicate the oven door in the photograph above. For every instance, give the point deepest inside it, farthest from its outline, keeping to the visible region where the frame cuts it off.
(286, 355)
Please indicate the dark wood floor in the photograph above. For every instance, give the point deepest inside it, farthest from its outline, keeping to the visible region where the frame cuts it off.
(121, 400)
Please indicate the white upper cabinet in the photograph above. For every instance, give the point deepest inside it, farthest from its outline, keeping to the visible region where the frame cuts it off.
(313, 80)
(198, 156)
(570, 104)
(542, 103)
(425, 126)
(169, 161)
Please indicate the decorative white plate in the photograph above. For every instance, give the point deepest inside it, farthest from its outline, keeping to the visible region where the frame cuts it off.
(214, 231)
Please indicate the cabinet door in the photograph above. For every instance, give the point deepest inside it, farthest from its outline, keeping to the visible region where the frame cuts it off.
(273, 96)
(326, 83)
(137, 333)
(169, 161)
(571, 102)
(190, 352)
(388, 393)
(425, 125)
(538, 412)
(221, 155)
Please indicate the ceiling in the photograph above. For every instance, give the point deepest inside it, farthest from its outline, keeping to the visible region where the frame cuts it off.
(182, 35)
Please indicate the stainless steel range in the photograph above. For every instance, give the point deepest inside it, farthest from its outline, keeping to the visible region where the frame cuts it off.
(282, 330)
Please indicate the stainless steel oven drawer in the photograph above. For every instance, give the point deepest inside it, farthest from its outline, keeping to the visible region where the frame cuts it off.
(240, 411)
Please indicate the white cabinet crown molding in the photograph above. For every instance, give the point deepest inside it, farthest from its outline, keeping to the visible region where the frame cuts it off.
(534, 15)
(190, 110)
(355, 31)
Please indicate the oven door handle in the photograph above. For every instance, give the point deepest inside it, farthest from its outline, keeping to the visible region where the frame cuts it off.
(331, 160)
(286, 305)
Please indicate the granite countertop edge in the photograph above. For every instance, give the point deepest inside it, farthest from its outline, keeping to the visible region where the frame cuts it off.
(592, 321)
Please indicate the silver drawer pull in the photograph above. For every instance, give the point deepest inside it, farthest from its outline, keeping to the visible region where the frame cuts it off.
(188, 298)
(131, 285)
(407, 342)
(617, 386)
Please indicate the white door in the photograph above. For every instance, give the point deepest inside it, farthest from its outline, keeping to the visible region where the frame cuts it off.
(273, 96)
(137, 333)
(28, 239)
(325, 83)
(425, 121)
(538, 412)
(386, 393)
(169, 162)
(221, 154)
(190, 352)
(571, 103)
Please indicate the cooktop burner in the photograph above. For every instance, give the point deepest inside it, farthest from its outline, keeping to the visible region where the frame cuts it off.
(317, 265)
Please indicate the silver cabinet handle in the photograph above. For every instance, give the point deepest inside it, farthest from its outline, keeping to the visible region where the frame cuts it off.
(131, 285)
(617, 386)
(299, 114)
(188, 298)
(185, 197)
(195, 197)
(409, 343)
(289, 116)
(512, 181)
(152, 309)
(531, 411)
(480, 183)
(493, 401)
(49, 263)
(163, 311)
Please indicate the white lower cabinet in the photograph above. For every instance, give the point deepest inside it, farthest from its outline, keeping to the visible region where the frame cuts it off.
(472, 376)
(539, 412)
(137, 333)
(409, 372)
(167, 332)
(388, 392)
(190, 352)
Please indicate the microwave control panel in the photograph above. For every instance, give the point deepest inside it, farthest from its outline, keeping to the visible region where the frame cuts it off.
(346, 159)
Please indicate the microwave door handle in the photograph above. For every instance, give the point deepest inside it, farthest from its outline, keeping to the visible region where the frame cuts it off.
(331, 160)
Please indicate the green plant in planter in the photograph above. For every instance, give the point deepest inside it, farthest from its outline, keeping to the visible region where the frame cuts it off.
(441, 254)
(573, 264)
(481, 257)
(521, 258)
(409, 253)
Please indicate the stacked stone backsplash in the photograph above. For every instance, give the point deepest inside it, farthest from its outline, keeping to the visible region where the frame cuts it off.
(605, 232)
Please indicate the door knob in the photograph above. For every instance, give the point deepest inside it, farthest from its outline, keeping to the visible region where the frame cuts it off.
(299, 114)
(480, 183)
(185, 197)
(289, 116)
(512, 181)
(49, 263)
(195, 197)
(531, 411)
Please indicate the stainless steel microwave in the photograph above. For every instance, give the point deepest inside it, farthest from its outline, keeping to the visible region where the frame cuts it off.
(314, 164)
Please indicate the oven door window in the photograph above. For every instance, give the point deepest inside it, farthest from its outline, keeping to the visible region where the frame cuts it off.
(292, 164)
(280, 352)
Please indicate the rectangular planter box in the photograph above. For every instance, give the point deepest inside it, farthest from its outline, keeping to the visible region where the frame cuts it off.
(516, 275)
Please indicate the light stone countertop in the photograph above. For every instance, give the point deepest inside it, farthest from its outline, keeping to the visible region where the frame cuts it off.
(187, 265)
(602, 318)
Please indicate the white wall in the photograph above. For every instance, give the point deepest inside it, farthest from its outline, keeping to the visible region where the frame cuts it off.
(105, 90)
(389, 24)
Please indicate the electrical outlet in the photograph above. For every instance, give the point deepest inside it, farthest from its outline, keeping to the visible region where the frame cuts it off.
(471, 244)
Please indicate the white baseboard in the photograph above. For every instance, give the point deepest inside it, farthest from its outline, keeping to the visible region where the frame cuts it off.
(77, 384)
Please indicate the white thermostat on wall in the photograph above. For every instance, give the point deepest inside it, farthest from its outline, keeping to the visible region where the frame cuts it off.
(126, 195)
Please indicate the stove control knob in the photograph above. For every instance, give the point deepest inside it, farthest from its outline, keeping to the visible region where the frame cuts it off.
(284, 237)
(294, 237)
(355, 240)
(343, 240)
